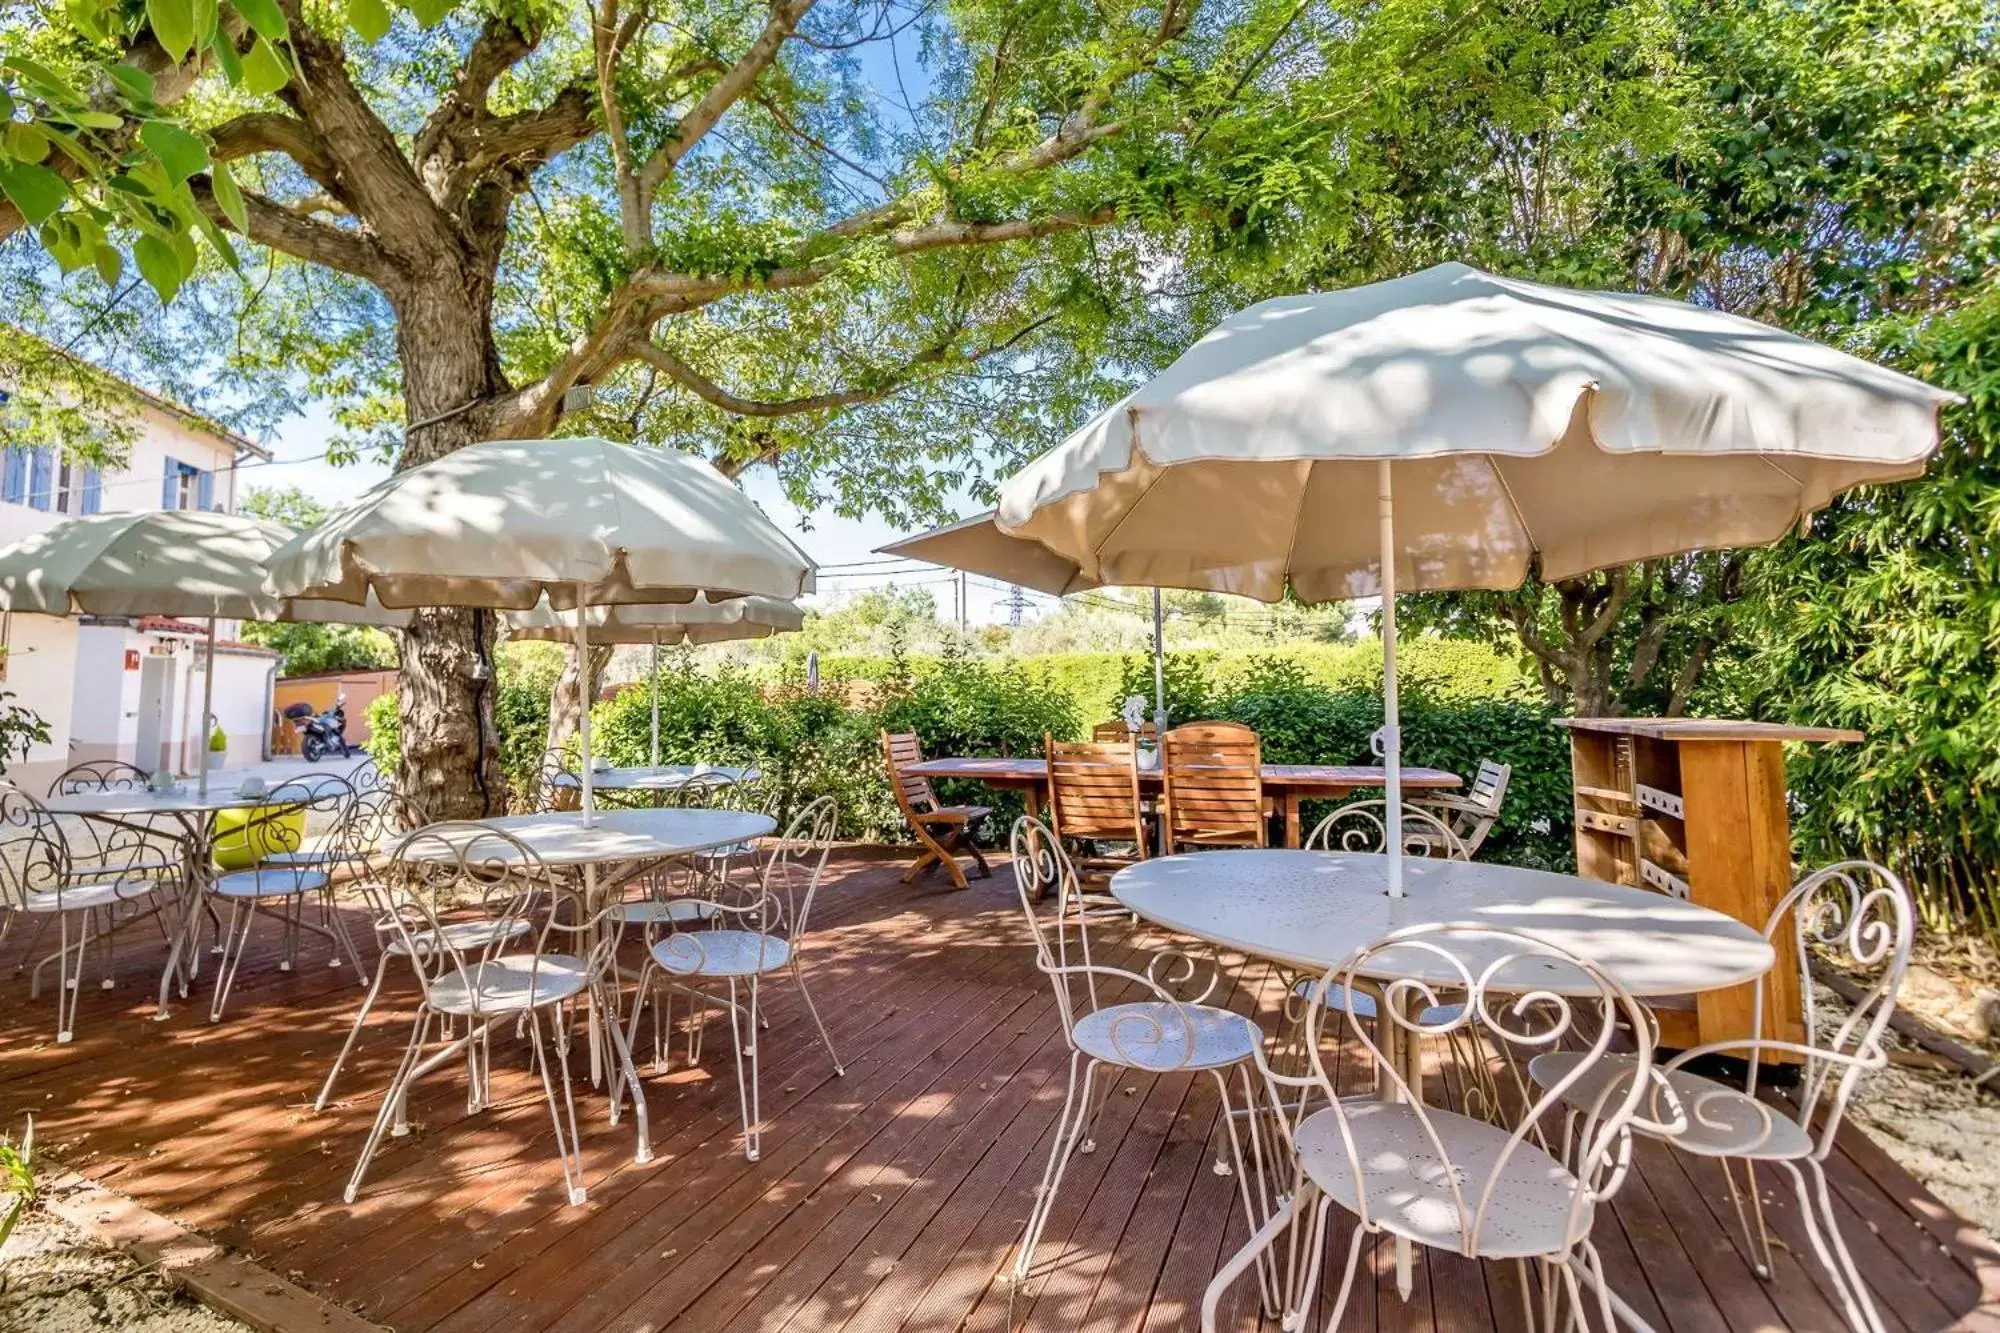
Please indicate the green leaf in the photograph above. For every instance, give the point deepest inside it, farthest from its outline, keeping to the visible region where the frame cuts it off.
(35, 190)
(264, 70)
(90, 120)
(179, 152)
(217, 238)
(207, 21)
(430, 13)
(226, 57)
(34, 71)
(110, 264)
(368, 18)
(135, 83)
(230, 198)
(263, 16)
(25, 142)
(158, 265)
(173, 24)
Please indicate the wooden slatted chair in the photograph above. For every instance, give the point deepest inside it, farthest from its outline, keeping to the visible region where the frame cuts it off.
(1115, 730)
(1094, 797)
(1471, 815)
(1214, 781)
(945, 831)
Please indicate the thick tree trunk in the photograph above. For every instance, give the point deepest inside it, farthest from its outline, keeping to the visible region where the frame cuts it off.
(451, 748)
(562, 700)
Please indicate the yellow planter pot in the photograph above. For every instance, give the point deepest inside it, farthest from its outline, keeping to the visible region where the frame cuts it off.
(245, 837)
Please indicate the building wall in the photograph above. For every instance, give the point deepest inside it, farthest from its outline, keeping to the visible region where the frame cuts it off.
(41, 663)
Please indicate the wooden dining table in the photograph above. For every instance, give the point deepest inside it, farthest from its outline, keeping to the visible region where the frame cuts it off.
(1290, 786)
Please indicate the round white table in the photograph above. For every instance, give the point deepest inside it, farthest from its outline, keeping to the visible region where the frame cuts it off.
(1311, 910)
(561, 839)
(193, 810)
(664, 777)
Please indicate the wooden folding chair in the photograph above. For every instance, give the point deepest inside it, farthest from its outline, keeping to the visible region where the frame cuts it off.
(1214, 781)
(945, 831)
(1471, 816)
(1094, 797)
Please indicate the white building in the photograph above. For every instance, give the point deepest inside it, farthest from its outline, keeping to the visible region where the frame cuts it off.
(128, 688)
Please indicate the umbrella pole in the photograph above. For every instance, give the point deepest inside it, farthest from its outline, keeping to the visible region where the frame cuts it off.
(656, 698)
(583, 705)
(207, 710)
(1390, 743)
(1159, 665)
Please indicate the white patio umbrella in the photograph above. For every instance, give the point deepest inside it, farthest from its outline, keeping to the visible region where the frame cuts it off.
(978, 545)
(697, 622)
(581, 522)
(1519, 425)
(164, 563)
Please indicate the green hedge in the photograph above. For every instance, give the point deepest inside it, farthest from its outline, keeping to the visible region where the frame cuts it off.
(1309, 707)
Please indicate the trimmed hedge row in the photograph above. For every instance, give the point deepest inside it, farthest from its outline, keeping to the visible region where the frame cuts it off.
(1457, 711)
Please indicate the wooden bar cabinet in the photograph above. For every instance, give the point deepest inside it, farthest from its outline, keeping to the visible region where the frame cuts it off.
(1695, 808)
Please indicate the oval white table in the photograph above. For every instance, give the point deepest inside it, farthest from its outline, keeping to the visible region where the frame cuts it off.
(664, 777)
(136, 808)
(614, 837)
(1310, 910)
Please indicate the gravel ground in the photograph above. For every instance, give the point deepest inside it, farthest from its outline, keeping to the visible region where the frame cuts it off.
(55, 1279)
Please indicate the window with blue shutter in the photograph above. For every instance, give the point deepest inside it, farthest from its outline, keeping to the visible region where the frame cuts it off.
(14, 481)
(204, 490)
(41, 478)
(93, 482)
(170, 486)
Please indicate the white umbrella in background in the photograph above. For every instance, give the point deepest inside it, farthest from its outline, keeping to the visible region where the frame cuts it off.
(581, 522)
(697, 622)
(1453, 429)
(979, 545)
(165, 563)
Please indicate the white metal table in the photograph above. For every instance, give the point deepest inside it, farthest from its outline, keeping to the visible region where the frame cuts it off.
(1313, 910)
(614, 837)
(665, 777)
(193, 812)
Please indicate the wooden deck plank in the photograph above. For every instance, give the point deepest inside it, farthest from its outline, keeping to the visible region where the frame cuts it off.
(887, 1200)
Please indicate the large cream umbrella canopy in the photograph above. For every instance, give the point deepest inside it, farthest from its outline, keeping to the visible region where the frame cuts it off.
(164, 563)
(1453, 429)
(698, 622)
(581, 522)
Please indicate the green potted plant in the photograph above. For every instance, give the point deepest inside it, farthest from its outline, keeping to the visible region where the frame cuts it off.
(218, 748)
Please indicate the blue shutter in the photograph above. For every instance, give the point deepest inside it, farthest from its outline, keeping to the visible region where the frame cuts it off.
(170, 488)
(204, 490)
(92, 483)
(41, 479)
(14, 488)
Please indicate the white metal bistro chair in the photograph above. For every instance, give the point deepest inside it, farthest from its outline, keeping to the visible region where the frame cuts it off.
(40, 881)
(494, 939)
(376, 821)
(724, 961)
(288, 871)
(1156, 1032)
(685, 892)
(1432, 1176)
(1860, 917)
(1363, 826)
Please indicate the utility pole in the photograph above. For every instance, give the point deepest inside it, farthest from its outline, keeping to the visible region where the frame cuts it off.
(961, 603)
(1017, 605)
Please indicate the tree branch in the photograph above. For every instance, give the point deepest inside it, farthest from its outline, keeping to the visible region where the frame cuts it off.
(498, 48)
(715, 395)
(282, 228)
(724, 93)
(271, 132)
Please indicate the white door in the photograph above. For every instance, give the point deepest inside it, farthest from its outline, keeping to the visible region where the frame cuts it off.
(156, 678)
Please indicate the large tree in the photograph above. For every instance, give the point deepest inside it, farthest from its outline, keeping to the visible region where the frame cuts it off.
(879, 245)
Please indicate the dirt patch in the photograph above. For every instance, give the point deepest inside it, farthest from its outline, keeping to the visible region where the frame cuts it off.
(56, 1279)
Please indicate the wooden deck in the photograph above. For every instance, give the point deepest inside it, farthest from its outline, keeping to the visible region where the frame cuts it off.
(888, 1199)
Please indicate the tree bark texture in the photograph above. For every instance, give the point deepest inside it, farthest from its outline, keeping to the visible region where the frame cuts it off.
(563, 712)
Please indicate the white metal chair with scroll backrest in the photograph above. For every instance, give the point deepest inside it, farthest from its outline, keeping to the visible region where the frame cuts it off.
(376, 821)
(1859, 917)
(290, 868)
(1118, 1018)
(1472, 813)
(684, 892)
(1432, 1176)
(40, 881)
(123, 848)
(495, 941)
(751, 933)
(1363, 826)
